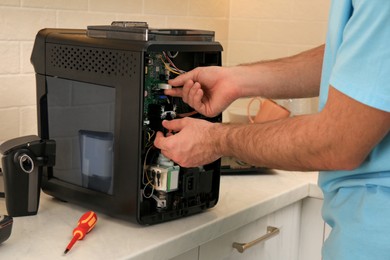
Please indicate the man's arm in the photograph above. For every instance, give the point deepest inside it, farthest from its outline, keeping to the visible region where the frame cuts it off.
(210, 90)
(339, 137)
(297, 76)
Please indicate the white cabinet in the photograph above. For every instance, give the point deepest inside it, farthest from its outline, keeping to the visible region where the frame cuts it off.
(313, 231)
(301, 235)
(189, 255)
(280, 247)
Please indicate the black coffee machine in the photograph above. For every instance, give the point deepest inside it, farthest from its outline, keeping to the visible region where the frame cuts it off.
(100, 98)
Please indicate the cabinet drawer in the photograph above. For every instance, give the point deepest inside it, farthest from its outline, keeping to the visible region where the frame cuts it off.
(282, 246)
(312, 230)
(189, 255)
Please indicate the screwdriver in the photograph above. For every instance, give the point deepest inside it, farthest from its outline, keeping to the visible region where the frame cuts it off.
(85, 224)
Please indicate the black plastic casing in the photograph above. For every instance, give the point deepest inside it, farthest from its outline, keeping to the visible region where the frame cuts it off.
(5, 227)
(21, 187)
(125, 202)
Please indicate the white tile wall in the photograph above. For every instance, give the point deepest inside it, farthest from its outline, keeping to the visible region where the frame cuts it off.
(248, 29)
(268, 29)
(56, 4)
(8, 51)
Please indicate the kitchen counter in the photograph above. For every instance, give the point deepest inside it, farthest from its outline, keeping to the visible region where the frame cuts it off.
(243, 199)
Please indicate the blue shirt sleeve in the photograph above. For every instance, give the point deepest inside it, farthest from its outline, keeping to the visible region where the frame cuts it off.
(362, 64)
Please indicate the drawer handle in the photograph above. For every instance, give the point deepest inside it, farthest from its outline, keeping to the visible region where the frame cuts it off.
(271, 232)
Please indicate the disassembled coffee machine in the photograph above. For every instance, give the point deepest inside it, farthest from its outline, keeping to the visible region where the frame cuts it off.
(101, 101)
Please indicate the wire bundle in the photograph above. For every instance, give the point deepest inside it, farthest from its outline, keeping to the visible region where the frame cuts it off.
(169, 65)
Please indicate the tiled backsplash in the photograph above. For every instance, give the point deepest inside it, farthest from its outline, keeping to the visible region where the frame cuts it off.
(248, 30)
(268, 29)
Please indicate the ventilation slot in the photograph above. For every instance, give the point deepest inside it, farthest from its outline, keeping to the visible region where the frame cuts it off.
(92, 60)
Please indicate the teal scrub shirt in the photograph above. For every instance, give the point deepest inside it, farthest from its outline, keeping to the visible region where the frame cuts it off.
(357, 63)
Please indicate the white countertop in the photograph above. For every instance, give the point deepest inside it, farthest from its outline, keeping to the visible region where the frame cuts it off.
(243, 199)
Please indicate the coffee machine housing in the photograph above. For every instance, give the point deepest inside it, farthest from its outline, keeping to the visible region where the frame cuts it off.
(100, 97)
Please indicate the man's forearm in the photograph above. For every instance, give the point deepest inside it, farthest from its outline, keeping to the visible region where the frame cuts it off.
(329, 140)
(284, 144)
(297, 76)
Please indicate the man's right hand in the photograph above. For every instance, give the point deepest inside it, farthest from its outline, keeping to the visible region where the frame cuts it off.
(209, 90)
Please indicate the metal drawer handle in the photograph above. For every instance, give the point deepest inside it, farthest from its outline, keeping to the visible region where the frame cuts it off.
(271, 232)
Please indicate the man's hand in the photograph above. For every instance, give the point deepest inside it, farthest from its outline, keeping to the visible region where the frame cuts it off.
(192, 145)
(209, 90)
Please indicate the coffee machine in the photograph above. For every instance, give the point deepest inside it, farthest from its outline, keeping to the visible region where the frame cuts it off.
(100, 98)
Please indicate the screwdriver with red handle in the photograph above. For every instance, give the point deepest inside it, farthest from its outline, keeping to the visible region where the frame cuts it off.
(85, 224)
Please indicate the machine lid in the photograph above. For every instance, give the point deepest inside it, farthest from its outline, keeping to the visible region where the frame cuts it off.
(140, 31)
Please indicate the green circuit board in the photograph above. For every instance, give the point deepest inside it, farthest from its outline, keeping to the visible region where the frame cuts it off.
(155, 74)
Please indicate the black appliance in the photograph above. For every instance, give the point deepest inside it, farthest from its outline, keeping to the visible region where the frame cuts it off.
(100, 97)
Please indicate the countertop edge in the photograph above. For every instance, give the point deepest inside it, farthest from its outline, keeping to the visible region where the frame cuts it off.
(202, 235)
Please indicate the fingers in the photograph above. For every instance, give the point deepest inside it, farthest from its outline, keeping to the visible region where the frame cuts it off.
(183, 92)
(159, 141)
(174, 125)
(186, 91)
(165, 143)
(195, 98)
(179, 80)
(186, 80)
(174, 92)
(192, 94)
(183, 78)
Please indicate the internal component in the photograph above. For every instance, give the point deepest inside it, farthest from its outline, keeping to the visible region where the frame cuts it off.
(166, 187)
(166, 179)
(161, 176)
(157, 106)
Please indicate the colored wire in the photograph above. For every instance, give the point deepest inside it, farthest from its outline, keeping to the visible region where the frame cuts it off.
(174, 55)
(170, 66)
(187, 114)
(167, 67)
(171, 62)
(150, 136)
(145, 174)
